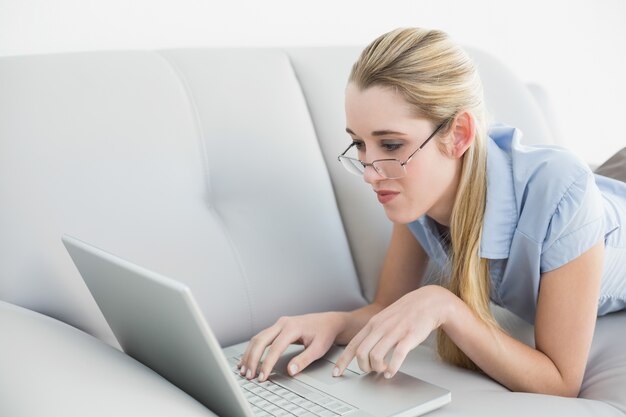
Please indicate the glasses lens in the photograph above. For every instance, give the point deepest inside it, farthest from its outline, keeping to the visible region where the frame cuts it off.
(353, 166)
(390, 169)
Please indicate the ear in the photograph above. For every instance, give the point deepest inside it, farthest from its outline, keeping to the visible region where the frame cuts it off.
(463, 132)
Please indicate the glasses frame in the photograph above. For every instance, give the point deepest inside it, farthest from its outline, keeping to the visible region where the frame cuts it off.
(373, 163)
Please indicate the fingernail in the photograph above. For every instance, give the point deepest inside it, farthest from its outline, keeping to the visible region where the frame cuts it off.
(243, 370)
(387, 375)
(261, 376)
(249, 374)
(336, 371)
(293, 369)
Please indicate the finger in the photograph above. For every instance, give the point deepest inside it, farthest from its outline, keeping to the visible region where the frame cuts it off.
(364, 351)
(348, 353)
(399, 355)
(379, 352)
(255, 350)
(276, 349)
(316, 350)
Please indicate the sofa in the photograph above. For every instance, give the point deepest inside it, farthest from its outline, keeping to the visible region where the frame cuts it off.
(218, 168)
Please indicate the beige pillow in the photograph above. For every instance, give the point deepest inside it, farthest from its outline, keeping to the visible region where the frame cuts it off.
(614, 167)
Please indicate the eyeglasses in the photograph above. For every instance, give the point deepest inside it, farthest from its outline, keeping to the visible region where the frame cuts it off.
(390, 169)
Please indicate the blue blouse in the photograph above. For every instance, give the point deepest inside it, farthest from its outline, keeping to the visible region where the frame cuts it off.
(544, 208)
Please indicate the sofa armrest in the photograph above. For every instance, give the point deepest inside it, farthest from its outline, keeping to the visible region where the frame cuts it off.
(50, 368)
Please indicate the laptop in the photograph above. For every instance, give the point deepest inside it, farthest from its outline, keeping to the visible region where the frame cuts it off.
(157, 321)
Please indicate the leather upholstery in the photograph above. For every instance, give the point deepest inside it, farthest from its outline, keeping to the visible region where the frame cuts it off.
(216, 167)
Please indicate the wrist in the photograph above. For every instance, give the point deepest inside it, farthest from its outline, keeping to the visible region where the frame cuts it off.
(351, 322)
(445, 304)
(338, 321)
(452, 310)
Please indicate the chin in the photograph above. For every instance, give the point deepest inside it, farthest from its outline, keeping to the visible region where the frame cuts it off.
(401, 216)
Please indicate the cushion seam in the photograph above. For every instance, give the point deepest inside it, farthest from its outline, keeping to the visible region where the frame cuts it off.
(201, 136)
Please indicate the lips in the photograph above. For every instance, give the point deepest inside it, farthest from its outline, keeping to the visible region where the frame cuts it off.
(385, 196)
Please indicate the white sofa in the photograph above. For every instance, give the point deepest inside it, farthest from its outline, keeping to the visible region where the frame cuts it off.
(216, 167)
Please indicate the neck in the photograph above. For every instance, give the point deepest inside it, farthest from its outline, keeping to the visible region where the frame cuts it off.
(441, 212)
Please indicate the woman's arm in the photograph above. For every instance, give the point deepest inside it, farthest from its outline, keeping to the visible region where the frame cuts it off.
(565, 321)
(404, 265)
(567, 307)
(403, 270)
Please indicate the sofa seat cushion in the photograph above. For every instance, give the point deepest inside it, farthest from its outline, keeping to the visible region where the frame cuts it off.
(52, 369)
(602, 392)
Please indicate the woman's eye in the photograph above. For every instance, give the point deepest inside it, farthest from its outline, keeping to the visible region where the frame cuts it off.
(358, 145)
(391, 146)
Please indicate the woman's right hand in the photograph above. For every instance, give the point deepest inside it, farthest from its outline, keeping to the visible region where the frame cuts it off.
(316, 332)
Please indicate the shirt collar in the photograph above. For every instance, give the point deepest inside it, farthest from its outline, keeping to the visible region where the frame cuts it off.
(501, 214)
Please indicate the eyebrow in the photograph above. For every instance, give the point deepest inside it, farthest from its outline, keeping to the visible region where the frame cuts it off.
(378, 132)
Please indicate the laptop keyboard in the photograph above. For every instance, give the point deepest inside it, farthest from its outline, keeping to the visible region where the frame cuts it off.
(269, 399)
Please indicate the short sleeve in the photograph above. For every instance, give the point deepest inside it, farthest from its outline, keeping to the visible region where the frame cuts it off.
(576, 225)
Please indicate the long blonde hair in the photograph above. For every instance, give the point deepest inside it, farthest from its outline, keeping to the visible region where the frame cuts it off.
(439, 80)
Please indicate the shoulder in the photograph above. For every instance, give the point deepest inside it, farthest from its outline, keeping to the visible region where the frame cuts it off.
(560, 207)
(544, 175)
(548, 180)
(547, 168)
(536, 168)
(551, 185)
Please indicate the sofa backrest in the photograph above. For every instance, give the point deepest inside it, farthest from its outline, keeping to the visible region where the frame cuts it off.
(202, 165)
(216, 167)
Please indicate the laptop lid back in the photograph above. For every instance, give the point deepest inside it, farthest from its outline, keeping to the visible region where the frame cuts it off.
(161, 326)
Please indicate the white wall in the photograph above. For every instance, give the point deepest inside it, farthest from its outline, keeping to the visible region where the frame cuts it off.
(576, 49)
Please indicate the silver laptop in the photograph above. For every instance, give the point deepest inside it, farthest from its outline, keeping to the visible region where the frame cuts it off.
(157, 321)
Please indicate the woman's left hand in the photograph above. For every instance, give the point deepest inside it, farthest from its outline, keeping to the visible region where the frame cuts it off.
(400, 327)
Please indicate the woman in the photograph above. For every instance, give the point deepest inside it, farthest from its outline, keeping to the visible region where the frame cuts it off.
(530, 228)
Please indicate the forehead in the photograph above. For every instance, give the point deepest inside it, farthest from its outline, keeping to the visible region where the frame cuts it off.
(376, 98)
(377, 108)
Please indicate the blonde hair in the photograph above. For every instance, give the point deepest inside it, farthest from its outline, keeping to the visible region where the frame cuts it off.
(439, 80)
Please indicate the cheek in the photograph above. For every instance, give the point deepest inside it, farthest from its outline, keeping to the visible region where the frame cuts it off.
(420, 195)
(426, 180)
(419, 178)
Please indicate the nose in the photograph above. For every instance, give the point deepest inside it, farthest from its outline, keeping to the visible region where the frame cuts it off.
(371, 176)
